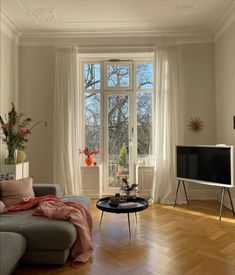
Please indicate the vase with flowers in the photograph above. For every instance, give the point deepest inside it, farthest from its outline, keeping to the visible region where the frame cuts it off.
(16, 130)
(89, 158)
(128, 188)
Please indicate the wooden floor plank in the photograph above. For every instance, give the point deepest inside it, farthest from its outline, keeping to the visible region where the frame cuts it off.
(186, 240)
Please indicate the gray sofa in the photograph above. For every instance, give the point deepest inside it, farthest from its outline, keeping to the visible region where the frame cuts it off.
(47, 241)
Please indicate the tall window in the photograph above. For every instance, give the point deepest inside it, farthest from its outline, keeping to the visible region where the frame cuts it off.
(118, 99)
(92, 99)
(144, 101)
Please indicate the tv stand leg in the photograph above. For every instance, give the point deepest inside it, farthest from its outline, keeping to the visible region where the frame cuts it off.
(221, 203)
(231, 202)
(185, 194)
(177, 190)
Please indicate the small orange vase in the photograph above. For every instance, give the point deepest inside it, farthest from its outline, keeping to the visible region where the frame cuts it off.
(89, 160)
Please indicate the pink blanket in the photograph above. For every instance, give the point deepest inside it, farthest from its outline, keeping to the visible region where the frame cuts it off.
(53, 208)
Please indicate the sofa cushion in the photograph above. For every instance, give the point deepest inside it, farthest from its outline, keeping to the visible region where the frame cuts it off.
(41, 233)
(13, 191)
(12, 248)
(42, 189)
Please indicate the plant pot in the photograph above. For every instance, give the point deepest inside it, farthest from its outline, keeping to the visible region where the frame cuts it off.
(120, 170)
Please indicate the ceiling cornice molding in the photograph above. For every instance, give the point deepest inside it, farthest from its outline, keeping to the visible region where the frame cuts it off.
(225, 20)
(54, 38)
(8, 25)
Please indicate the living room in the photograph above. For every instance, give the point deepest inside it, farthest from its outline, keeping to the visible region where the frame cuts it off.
(204, 34)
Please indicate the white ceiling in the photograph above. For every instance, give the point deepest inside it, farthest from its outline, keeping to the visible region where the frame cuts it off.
(116, 17)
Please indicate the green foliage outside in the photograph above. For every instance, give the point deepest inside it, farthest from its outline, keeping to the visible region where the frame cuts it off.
(122, 156)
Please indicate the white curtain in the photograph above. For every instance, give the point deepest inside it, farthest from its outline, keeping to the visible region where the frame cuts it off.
(167, 121)
(66, 120)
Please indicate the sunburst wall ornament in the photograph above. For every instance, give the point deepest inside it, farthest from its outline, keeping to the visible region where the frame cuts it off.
(195, 125)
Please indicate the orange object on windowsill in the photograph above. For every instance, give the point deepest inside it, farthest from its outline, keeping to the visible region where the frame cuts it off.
(89, 160)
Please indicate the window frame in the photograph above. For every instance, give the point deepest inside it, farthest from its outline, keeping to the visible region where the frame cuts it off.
(83, 78)
(135, 76)
(105, 72)
(132, 93)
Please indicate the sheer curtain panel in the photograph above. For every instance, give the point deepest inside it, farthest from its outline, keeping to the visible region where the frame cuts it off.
(66, 120)
(167, 121)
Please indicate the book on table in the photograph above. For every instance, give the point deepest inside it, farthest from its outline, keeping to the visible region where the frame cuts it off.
(127, 205)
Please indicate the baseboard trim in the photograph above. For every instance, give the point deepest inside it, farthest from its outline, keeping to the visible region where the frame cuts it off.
(203, 194)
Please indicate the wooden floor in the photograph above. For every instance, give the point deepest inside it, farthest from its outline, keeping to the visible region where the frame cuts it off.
(182, 240)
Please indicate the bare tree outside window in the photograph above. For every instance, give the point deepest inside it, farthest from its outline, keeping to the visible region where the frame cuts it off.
(118, 111)
(92, 76)
(144, 124)
(118, 76)
(92, 120)
(144, 76)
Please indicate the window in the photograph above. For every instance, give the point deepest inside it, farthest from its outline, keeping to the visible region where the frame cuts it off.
(118, 76)
(118, 99)
(92, 76)
(144, 124)
(92, 119)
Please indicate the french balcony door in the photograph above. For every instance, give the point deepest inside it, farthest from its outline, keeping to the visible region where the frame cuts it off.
(117, 115)
(119, 140)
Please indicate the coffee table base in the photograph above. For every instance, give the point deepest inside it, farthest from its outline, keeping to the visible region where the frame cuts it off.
(128, 217)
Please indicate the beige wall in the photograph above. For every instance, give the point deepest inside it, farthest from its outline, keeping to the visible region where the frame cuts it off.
(36, 99)
(198, 87)
(199, 101)
(225, 87)
(8, 73)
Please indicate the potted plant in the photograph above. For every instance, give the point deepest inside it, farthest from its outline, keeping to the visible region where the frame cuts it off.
(89, 158)
(16, 130)
(128, 188)
(122, 159)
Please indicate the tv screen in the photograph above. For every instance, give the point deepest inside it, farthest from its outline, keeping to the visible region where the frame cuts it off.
(205, 164)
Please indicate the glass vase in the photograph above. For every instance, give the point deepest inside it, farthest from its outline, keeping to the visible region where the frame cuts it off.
(11, 156)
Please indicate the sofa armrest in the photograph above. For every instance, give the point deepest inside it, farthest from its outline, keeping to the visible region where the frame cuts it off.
(42, 189)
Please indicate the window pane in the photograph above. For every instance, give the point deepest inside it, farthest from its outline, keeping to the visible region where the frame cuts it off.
(92, 76)
(92, 120)
(144, 76)
(144, 124)
(118, 137)
(118, 76)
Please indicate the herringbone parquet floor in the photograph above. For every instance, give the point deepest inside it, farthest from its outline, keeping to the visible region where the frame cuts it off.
(183, 240)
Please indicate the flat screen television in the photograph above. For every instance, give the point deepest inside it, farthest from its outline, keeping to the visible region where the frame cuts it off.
(212, 165)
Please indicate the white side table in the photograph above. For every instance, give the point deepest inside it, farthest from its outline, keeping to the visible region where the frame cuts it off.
(91, 177)
(144, 179)
(20, 170)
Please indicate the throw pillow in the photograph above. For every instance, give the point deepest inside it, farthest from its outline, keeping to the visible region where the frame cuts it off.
(2, 206)
(12, 191)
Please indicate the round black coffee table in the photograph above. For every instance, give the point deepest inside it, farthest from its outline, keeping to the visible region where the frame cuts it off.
(105, 206)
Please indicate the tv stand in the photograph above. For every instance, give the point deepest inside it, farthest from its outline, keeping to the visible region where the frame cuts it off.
(223, 189)
(177, 190)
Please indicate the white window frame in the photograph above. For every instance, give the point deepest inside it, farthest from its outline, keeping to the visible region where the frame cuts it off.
(135, 78)
(104, 91)
(83, 78)
(112, 63)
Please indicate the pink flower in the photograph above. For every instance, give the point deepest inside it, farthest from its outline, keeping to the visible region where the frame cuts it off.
(88, 151)
(23, 130)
